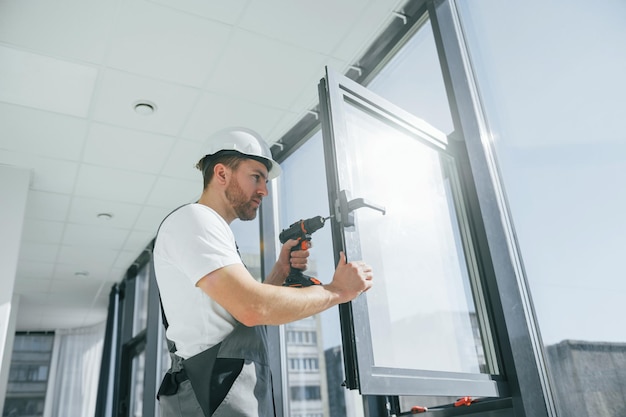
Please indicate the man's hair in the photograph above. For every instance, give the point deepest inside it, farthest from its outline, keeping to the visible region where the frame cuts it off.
(231, 159)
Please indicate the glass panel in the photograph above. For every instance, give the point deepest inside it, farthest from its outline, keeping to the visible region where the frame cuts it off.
(421, 310)
(553, 95)
(140, 319)
(412, 80)
(248, 241)
(163, 361)
(315, 371)
(28, 375)
(136, 385)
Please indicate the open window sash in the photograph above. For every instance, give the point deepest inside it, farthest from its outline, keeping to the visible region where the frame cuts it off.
(397, 203)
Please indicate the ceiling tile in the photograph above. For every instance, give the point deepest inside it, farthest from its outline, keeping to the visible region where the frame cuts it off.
(69, 28)
(227, 12)
(94, 236)
(151, 217)
(38, 252)
(373, 19)
(116, 147)
(127, 258)
(45, 83)
(85, 211)
(47, 206)
(62, 289)
(42, 231)
(309, 96)
(116, 274)
(182, 160)
(119, 92)
(276, 83)
(34, 270)
(170, 192)
(96, 315)
(286, 122)
(101, 303)
(137, 240)
(112, 184)
(299, 23)
(217, 111)
(75, 270)
(54, 135)
(29, 285)
(51, 175)
(77, 255)
(163, 43)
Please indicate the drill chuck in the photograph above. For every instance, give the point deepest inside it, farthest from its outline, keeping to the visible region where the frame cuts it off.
(301, 228)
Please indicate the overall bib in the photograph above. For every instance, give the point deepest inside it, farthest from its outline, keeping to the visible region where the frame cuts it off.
(186, 388)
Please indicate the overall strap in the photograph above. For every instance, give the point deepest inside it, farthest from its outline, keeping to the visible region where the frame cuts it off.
(171, 346)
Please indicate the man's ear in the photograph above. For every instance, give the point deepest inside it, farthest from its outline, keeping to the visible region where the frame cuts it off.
(221, 173)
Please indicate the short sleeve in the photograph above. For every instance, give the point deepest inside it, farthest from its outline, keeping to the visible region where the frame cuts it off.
(198, 241)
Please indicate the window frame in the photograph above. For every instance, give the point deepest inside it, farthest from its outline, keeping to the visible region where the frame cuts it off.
(517, 329)
(520, 347)
(335, 91)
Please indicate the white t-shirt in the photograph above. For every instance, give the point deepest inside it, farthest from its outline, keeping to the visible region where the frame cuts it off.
(192, 242)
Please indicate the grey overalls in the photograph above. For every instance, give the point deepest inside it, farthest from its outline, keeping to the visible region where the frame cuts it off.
(250, 394)
(186, 387)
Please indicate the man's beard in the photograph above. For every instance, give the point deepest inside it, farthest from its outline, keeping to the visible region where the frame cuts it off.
(243, 206)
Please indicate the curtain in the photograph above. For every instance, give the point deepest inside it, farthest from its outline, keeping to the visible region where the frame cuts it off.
(77, 356)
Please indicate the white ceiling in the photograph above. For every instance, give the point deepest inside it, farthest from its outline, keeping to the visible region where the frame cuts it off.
(70, 74)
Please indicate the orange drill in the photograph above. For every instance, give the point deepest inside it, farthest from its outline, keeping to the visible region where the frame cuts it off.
(301, 231)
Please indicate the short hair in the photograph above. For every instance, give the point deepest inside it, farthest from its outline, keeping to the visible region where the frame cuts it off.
(231, 159)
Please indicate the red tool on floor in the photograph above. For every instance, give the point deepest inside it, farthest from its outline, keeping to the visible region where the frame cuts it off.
(417, 409)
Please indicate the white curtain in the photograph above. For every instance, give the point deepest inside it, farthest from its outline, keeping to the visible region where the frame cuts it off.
(75, 369)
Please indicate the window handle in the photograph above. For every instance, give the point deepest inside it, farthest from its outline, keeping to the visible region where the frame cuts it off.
(345, 207)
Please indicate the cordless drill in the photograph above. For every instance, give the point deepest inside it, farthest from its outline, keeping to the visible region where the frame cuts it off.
(301, 231)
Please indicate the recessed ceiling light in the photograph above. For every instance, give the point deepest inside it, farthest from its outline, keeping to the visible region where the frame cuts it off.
(105, 216)
(145, 108)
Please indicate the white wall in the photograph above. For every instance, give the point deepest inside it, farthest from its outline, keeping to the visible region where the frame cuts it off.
(14, 184)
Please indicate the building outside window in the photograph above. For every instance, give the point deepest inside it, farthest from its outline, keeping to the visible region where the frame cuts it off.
(28, 375)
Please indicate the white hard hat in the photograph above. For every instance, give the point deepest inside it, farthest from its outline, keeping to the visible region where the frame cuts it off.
(244, 141)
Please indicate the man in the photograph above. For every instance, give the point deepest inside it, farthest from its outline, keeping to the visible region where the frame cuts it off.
(216, 310)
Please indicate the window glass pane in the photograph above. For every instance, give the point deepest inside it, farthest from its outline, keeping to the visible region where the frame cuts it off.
(163, 361)
(313, 345)
(413, 81)
(248, 241)
(136, 385)
(421, 309)
(553, 94)
(141, 300)
(28, 375)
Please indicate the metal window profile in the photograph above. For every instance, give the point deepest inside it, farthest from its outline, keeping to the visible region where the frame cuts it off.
(335, 92)
(520, 341)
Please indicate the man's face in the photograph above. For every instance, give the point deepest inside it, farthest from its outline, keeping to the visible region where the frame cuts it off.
(247, 188)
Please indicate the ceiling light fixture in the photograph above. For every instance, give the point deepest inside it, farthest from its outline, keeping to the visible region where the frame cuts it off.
(104, 216)
(81, 273)
(144, 107)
